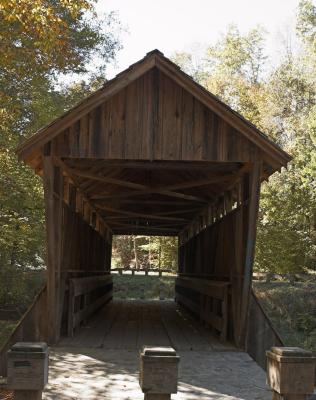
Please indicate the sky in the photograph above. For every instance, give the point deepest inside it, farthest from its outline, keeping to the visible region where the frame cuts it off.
(176, 25)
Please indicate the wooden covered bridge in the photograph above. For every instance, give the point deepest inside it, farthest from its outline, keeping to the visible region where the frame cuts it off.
(152, 153)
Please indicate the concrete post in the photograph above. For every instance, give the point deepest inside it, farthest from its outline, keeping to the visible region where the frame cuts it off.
(158, 377)
(290, 373)
(28, 370)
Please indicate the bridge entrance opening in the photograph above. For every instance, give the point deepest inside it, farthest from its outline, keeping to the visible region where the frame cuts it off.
(144, 267)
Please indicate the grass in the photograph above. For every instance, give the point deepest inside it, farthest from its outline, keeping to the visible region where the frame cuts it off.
(140, 286)
(292, 310)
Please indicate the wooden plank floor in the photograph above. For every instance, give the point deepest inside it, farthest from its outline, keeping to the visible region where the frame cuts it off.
(131, 324)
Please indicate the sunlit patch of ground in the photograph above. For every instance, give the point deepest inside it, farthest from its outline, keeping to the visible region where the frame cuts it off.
(113, 374)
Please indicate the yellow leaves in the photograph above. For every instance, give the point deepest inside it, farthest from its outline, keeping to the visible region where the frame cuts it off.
(41, 21)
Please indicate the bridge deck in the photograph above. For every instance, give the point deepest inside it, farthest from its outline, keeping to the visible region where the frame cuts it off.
(102, 360)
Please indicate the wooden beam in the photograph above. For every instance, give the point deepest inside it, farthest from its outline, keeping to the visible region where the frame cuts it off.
(144, 190)
(253, 206)
(140, 215)
(150, 228)
(139, 223)
(52, 180)
(174, 212)
(131, 231)
(142, 202)
(211, 166)
(149, 189)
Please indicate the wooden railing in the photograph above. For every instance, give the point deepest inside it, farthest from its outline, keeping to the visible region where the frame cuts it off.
(31, 328)
(261, 334)
(206, 299)
(87, 295)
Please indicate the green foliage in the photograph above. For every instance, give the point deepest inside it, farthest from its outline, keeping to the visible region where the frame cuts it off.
(40, 43)
(156, 252)
(18, 287)
(291, 310)
(282, 103)
(147, 287)
(306, 22)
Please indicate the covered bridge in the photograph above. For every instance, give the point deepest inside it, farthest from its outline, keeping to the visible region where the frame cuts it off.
(152, 153)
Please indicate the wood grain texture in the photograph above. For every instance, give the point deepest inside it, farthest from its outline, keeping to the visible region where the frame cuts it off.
(154, 118)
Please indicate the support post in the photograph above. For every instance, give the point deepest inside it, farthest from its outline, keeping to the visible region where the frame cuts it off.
(253, 194)
(290, 373)
(53, 190)
(28, 370)
(158, 377)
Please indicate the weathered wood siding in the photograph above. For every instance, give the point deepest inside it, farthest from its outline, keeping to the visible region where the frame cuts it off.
(86, 249)
(207, 253)
(154, 118)
(218, 253)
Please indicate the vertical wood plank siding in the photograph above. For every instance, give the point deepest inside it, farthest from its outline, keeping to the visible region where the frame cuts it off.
(217, 253)
(153, 118)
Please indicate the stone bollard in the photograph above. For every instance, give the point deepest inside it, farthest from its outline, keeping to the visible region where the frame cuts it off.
(28, 370)
(290, 373)
(158, 372)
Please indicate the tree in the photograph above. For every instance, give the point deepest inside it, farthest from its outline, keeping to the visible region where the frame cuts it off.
(281, 104)
(41, 41)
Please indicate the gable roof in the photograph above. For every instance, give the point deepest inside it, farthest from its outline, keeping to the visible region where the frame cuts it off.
(32, 146)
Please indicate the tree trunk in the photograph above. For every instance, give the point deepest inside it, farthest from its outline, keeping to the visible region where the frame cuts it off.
(135, 253)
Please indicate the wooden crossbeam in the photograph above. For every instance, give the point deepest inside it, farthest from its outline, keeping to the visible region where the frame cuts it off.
(119, 219)
(143, 202)
(211, 166)
(141, 215)
(174, 212)
(235, 178)
(143, 227)
(147, 189)
(134, 231)
(143, 189)
(178, 195)
(74, 179)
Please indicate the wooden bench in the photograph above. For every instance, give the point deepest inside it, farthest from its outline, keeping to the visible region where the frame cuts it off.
(93, 291)
(206, 299)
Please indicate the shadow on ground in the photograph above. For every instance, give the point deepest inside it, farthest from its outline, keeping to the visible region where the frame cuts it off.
(113, 374)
